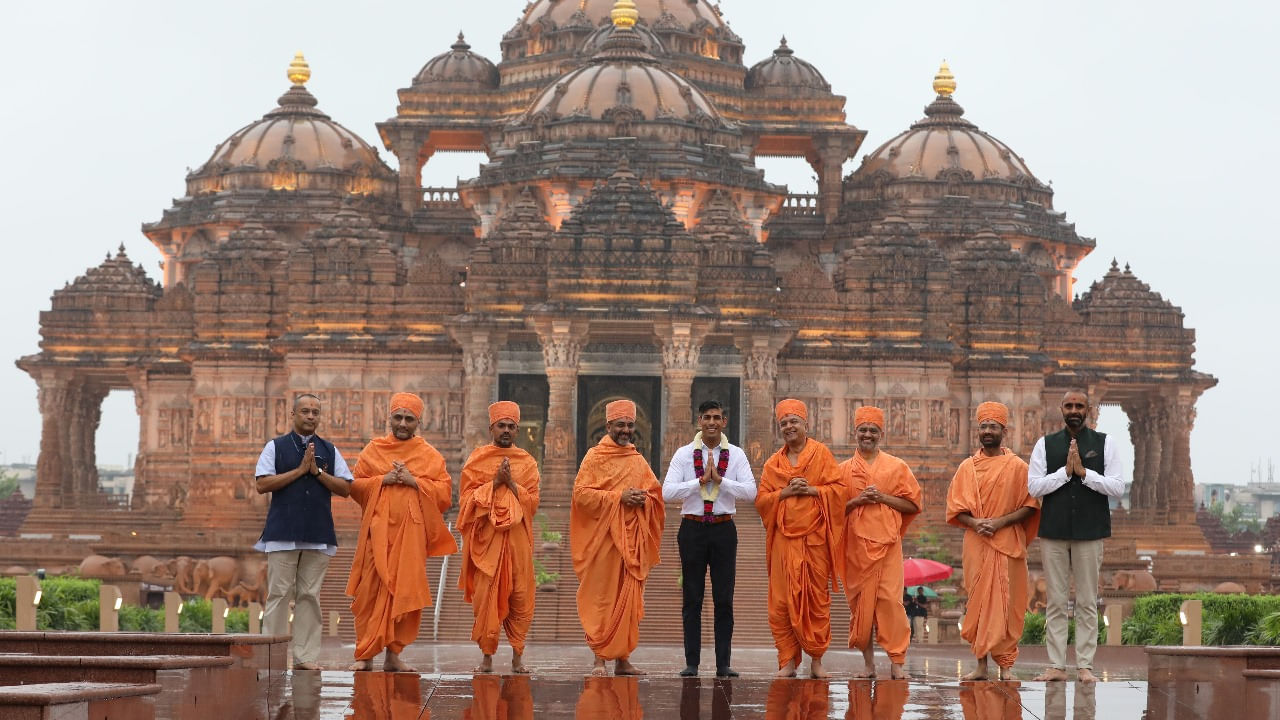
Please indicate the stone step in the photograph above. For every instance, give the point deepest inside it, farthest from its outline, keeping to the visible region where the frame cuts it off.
(25, 669)
(240, 645)
(77, 699)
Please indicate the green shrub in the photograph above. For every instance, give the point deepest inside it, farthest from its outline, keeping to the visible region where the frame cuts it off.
(1267, 631)
(140, 619)
(541, 576)
(8, 603)
(1032, 630)
(1228, 619)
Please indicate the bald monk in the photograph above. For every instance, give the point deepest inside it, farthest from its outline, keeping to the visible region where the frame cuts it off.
(884, 498)
(989, 498)
(801, 502)
(497, 502)
(615, 531)
(403, 487)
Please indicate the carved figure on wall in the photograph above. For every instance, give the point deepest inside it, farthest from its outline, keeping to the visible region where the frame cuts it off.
(99, 566)
(559, 443)
(281, 415)
(1030, 427)
(204, 417)
(1038, 598)
(937, 420)
(953, 428)
(898, 418)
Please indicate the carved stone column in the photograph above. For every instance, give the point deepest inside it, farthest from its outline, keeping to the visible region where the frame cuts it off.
(1162, 472)
(1138, 437)
(53, 467)
(759, 375)
(1182, 418)
(408, 155)
(562, 343)
(480, 342)
(681, 348)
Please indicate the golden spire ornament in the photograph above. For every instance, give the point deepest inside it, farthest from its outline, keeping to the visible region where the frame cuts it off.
(299, 70)
(624, 14)
(944, 83)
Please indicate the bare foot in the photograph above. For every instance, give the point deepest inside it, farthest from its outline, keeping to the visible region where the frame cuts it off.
(865, 674)
(517, 664)
(1007, 674)
(816, 670)
(598, 669)
(1085, 675)
(393, 663)
(361, 665)
(485, 667)
(786, 671)
(868, 663)
(1052, 675)
(898, 672)
(306, 666)
(979, 673)
(624, 667)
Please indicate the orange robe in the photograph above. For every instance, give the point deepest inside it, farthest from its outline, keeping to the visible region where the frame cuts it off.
(995, 568)
(992, 700)
(801, 537)
(888, 703)
(609, 698)
(497, 545)
(614, 547)
(500, 698)
(400, 527)
(388, 696)
(872, 554)
(796, 700)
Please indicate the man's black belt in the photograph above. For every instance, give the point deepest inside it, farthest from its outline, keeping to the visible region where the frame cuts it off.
(709, 520)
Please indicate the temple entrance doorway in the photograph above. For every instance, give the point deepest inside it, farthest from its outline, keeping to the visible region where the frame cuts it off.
(532, 394)
(595, 392)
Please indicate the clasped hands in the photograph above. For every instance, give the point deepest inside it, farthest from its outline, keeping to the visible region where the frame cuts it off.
(987, 527)
(399, 475)
(309, 465)
(870, 496)
(710, 475)
(503, 476)
(633, 497)
(797, 486)
(1075, 466)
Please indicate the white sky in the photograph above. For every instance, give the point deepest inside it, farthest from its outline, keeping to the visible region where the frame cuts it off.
(1154, 122)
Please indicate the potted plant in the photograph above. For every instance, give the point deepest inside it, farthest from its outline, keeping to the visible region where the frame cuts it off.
(546, 581)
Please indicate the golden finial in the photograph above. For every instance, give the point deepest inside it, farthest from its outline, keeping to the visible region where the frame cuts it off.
(624, 14)
(944, 83)
(299, 70)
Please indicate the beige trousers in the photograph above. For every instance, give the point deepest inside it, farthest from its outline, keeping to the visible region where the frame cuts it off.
(1065, 562)
(296, 575)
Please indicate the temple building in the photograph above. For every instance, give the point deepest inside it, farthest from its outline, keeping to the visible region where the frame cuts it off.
(619, 240)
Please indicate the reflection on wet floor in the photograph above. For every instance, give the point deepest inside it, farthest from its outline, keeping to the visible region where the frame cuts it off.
(390, 696)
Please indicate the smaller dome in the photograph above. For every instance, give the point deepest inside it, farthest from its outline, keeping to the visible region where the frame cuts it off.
(944, 144)
(785, 71)
(623, 80)
(459, 65)
(595, 43)
(116, 284)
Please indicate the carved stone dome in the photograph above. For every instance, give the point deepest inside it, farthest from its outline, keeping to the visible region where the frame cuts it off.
(294, 147)
(785, 72)
(943, 145)
(117, 284)
(684, 14)
(459, 65)
(595, 43)
(623, 82)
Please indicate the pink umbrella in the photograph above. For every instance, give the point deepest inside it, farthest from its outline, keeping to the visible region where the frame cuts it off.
(917, 571)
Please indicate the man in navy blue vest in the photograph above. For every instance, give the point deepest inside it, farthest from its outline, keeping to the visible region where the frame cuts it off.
(1074, 471)
(302, 471)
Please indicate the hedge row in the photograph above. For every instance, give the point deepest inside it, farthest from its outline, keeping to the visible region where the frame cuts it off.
(70, 603)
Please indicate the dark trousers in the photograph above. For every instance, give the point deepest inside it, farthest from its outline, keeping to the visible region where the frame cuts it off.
(716, 546)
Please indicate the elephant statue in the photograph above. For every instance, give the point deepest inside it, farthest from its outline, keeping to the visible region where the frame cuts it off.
(215, 576)
(151, 570)
(15, 570)
(182, 569)
(1133, 580)
(1038, 595)
(245, 592)
(98, 566)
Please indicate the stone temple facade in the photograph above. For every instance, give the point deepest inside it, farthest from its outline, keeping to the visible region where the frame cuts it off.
(619, 241)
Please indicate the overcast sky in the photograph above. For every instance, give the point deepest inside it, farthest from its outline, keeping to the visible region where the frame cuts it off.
(1154, 122)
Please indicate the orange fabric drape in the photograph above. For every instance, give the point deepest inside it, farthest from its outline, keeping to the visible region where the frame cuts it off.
(871, 551)
(614, 547)
(400, 527)
(796, 700)
(609, 698)
(991, 700)
(995, 568)
(887, 703)
(388, 696)
(801, 537)
(500, 698)
(497, 545)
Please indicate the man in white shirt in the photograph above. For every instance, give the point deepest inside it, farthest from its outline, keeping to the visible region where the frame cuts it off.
(1074, 471)
(708, 477)
(302, 471)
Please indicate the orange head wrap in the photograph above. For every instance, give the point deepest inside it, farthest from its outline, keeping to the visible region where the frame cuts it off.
(407, 401)
(869, 414)
(620, 410)
(993, 411)
(790, 406)
(504, 409)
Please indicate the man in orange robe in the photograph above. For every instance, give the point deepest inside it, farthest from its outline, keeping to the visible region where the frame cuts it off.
(989, 498)
(499, 497)
(403, 487)
(615, 531)
(801, 502)
(884, 499)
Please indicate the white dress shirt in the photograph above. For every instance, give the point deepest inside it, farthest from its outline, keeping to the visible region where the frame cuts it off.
(267, 466)
(737, 483)
(1110, 482)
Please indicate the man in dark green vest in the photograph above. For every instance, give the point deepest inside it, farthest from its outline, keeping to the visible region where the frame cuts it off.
(1074, 471)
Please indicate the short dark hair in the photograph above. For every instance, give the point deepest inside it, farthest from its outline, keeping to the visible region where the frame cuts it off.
(299, 398)
(710, 405)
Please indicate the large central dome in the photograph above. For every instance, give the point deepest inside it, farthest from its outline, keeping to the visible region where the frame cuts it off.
(685, 13)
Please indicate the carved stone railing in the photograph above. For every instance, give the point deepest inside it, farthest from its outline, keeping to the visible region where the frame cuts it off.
(441, 197)
(800, 205)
